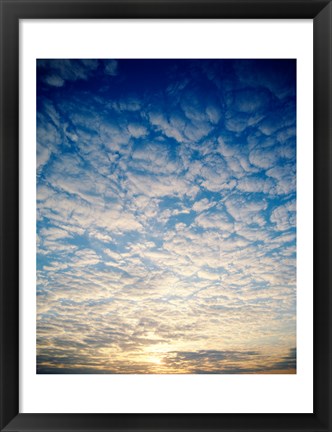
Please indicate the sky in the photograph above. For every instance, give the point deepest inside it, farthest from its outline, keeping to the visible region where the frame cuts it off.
(166, 216)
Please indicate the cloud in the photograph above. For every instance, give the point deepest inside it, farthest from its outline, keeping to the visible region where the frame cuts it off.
(61, 70)
(249, 100)
(166, 216)
(43, 155)
(285, 176)
(137, 130)
(284, 216)
(130, 103)
(203, 204)
(263, 158)
(111, 67)
(214, 220)
(236, 122)
(255, 184)
(154, 186)
(54, 80)
(156, 158)
(278, 76)
(172, 128)
(246, 209)
(216, 362)
(213, 113)
(85, 257)
(279, 119)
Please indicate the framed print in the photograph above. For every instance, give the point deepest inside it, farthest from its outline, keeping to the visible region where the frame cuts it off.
(165, 215)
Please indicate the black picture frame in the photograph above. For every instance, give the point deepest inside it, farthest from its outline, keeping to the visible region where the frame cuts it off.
(11, 12)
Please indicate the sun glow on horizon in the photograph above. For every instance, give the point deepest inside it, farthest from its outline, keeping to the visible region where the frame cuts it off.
(153, 359)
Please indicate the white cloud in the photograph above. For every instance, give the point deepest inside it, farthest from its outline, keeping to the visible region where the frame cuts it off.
(171, 128)
(111, 68)
(256, 185)
(85, 257)
(226, 149)
(47, 134)
(285, 177)
(53, 234)
(54, 80)
(285, 134)
(137, 130)
(43, 156)
(215, 174)
(236, 122)
(130, 104)
(203, 204)
(159, 186)
(203, 274)
(250, 100)
(102, 236)
(155, 158)
(213, 113)
(71, 70)
(284, 216)
(216, 220)
(246, 209)
(263, 158)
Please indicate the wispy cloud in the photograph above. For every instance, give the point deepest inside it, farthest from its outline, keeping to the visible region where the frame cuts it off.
(111, 67)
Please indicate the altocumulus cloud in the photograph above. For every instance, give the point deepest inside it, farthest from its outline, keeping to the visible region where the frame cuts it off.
(166, 216)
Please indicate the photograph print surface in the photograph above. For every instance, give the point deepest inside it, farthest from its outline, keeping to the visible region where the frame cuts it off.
(166, 216)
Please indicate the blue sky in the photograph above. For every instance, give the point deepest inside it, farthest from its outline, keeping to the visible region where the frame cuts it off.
(166, 216)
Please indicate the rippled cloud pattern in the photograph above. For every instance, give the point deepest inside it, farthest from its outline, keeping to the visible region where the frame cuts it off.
(166, 216)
